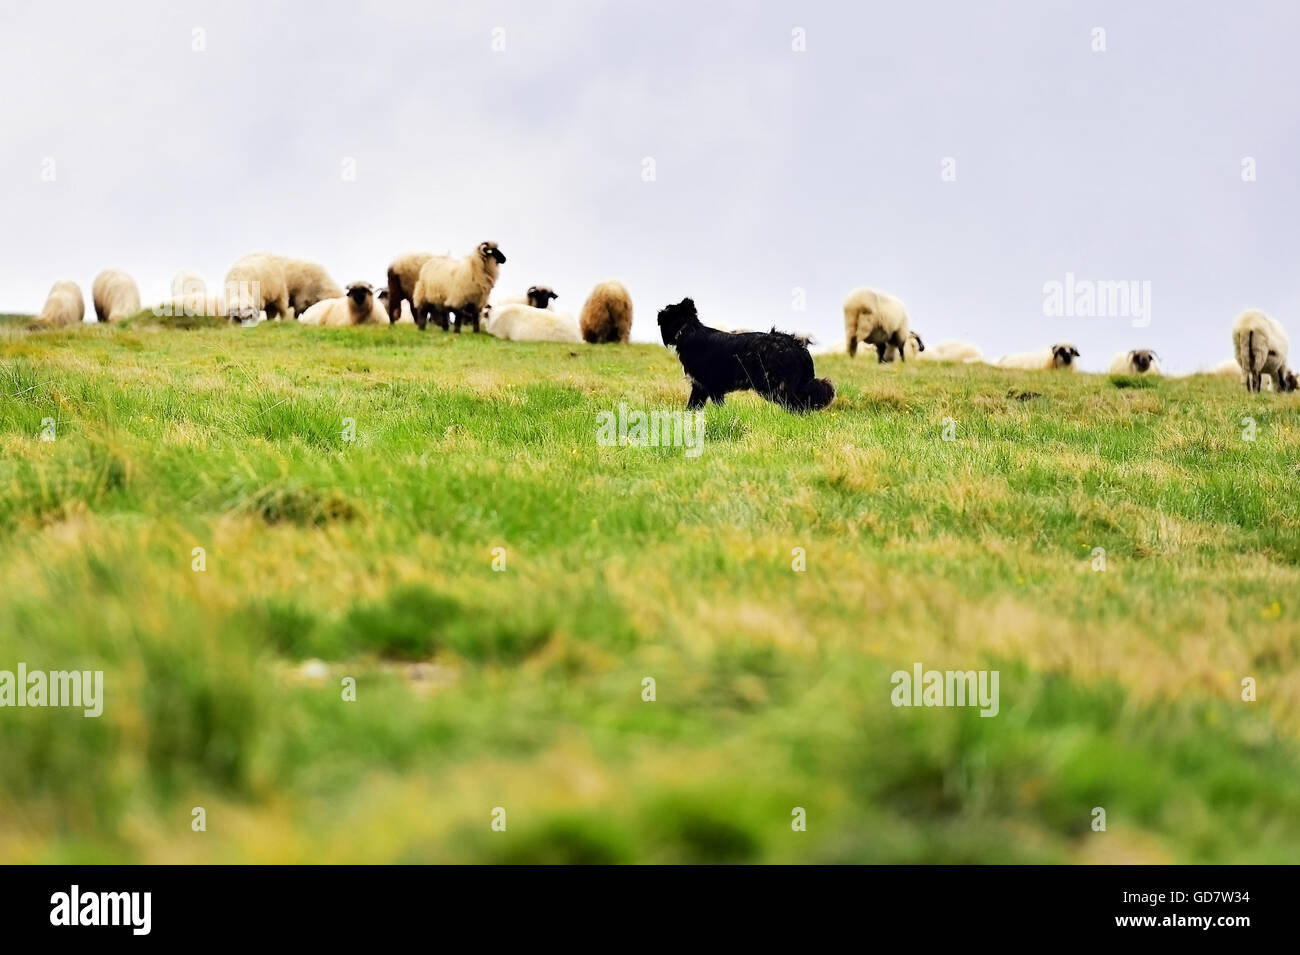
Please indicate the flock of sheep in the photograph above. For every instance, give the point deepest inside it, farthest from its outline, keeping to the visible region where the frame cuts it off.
(874, 318)
(421, 286)
(425, 286)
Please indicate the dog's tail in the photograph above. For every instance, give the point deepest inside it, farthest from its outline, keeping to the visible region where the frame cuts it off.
(815, 395)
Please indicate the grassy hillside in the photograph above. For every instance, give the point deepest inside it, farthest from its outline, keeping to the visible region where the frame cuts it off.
(372, 559)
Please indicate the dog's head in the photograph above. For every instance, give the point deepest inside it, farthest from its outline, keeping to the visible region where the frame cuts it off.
(1142, 359)
(674, 319)
(539, 296)
(489, 250)
(1063, 355)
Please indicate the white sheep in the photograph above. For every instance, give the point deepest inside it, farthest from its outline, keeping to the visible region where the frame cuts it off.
(190, 296)
(1262, 346)
(256, 283)
(950, 350)
(1058, 356)
(403, 273)
(523, 323)
(357, 307)
(456, 286)
(1139, 361)
(875, 318)
(607, 314)
(64, 305)
(307, 283)
(115, 295)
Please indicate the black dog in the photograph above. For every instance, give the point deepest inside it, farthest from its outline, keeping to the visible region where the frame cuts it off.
(774, 364)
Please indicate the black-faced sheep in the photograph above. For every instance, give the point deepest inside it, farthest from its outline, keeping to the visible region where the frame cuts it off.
(115, 295)
(1139, 361)
(1058, 356)
(875, 318)
(357, 307)
(538, 296)
(456, 286)
(524, 323)
(1262, 346)
(256, 283)
(63, 306)
(951, 350)
(607, 314)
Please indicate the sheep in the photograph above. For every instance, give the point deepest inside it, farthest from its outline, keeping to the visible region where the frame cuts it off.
(253, 284)
(459, 286)
(875, 318)
(1261, 346)
(911, 348)
(115, 295)
(307, 283)
(358, 307)
(64, 305)
(190, 296)
(538, 296)
(1058, 356)
(950, 350)
(524, 323)
(382, 298)
(607, 314)
(403, 273)
(1139, 361)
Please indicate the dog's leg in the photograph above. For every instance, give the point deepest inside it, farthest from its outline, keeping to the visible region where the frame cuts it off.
(699, 397)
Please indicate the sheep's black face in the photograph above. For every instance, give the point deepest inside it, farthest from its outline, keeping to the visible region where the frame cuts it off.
(489, 250)
(1142, 360)
(920, 345)
(1064, 355)
(539, 296)
(360, 294)
(674, 319)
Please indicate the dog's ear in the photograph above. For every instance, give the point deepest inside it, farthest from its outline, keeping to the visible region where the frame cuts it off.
(688, 305)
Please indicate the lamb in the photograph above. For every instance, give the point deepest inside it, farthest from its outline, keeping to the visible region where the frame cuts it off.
(524, 323)
(64, 305)
(1139, 361)
(1058, 356)
(115, 295)
(358, 307)
(254, 283)
(307, 283)
(1261, 346)
(875, 318)
(607, 314)
(459, 286)
(950, 350)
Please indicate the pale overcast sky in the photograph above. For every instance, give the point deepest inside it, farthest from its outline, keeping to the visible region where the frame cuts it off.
(775, 168)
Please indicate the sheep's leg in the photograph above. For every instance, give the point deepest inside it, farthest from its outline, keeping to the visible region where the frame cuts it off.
(422, 316)
(898, 344)
(880, 352)
(853, 346)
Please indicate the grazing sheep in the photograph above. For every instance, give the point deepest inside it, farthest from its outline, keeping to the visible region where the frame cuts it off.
(307, 283)
(1262, 347)
(63, 306)
(358, 307)
(1058, 356)
(1139, 361)
(115, 295)
(403, 273)
(190, 296)
(538, 296)
(456, 286)
(875, 318)
(524, 323)
(951, 350)
(256, 283)
(607, 314)
(1230, 369)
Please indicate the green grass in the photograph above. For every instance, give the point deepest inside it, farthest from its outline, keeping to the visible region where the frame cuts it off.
(372, 559)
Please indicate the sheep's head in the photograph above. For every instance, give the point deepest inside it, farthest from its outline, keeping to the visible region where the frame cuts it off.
(362, 296)
(1288, 379)
(920, 345)
(243, 301)
(539, 296)
(1142, 359)
(489, 250)
(674, 319)
(1063, 355)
